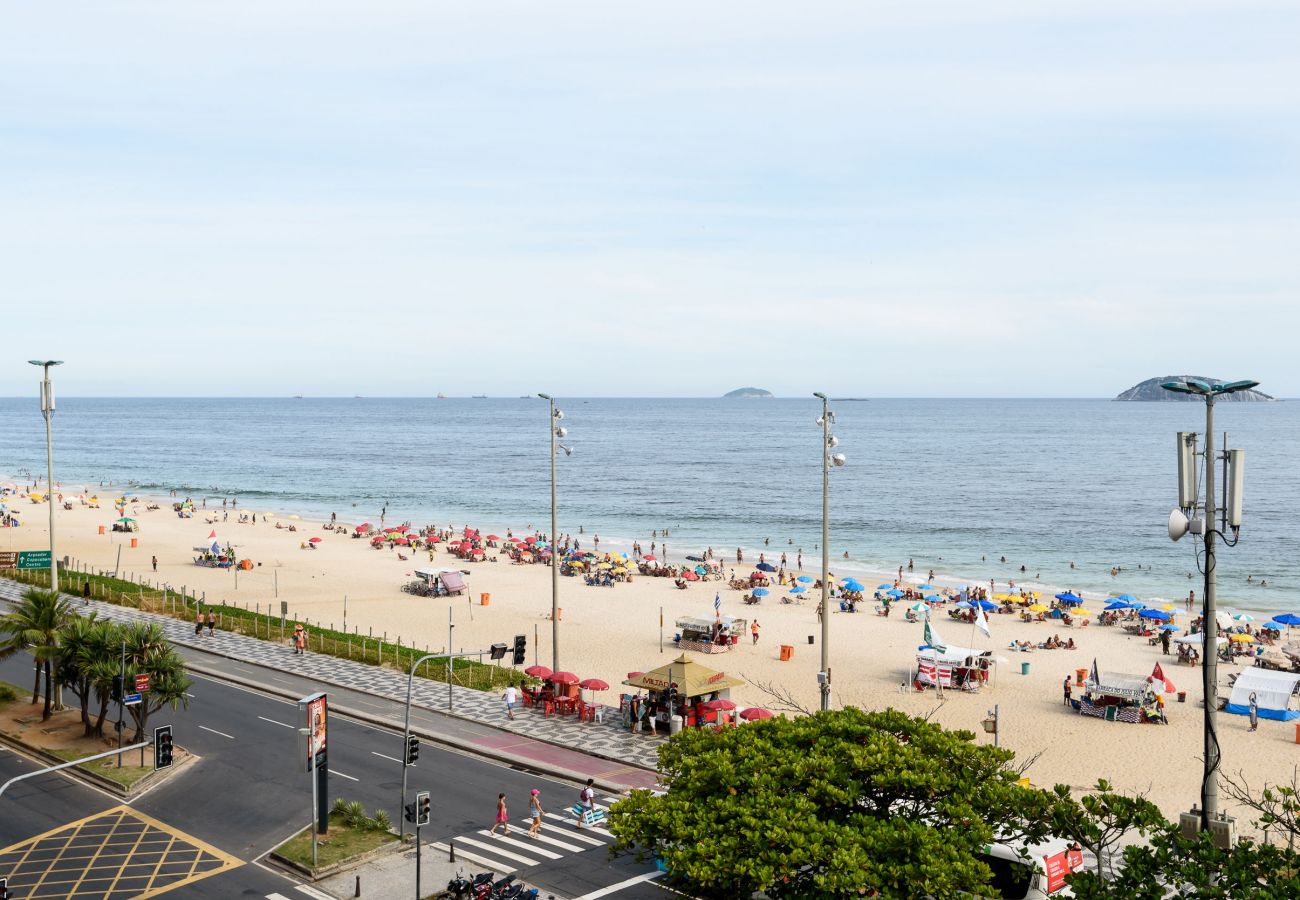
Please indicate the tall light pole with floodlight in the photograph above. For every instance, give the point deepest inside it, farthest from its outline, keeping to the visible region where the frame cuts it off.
(1184, 520)
(47, 409)
(557, 431)
(829, 443)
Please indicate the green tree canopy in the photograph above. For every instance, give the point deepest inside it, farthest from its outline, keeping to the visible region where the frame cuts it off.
(840, 803)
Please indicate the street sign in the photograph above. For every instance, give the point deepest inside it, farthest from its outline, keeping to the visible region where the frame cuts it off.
(33, 559)
(142, 684)
(8, 559)
(131, 700)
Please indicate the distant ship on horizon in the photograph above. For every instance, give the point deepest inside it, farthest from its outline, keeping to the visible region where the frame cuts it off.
(441, 396)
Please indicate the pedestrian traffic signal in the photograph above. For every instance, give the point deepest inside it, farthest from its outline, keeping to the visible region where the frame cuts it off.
(162, 749)
(521, 646)
(423, 808)
(412, 750)
(408, 813)
(116, 693)
(4, 889)
(497, 651)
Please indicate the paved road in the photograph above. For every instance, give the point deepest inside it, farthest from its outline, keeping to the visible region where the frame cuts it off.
(246, 794)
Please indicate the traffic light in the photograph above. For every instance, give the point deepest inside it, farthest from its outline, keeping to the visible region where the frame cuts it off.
(521, 646)
(408, 813)
(116, 694)
(423, 808)
(412, 750)
(162, 749)
(4, 888)
(497, 651)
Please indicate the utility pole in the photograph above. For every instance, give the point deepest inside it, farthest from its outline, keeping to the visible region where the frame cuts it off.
(47, 409)
(829, 442)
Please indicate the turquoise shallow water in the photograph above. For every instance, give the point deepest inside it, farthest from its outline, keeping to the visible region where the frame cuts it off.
(953, 484)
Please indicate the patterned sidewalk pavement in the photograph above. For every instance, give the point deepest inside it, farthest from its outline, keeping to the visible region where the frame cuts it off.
(606, 739)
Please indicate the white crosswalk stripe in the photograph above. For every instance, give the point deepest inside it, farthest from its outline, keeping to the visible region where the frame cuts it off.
(559, 837)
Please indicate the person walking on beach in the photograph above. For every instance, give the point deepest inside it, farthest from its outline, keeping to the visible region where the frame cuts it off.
(198, 625)
(503, 818)
(155, 564)
(753, 630)
(510, 696)
(212, 623)
(1191, 599)
(1067, 690)
(535, 806)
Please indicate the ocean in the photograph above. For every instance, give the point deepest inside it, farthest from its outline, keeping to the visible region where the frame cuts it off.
(954, 485)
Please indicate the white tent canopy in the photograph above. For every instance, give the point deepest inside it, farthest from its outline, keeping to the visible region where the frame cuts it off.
(1272, 692)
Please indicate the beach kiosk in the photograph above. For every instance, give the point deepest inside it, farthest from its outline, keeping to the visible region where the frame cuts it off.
(1121, 698)
(436, 583)
(709, 635)
(1272, 691)
(674, 696)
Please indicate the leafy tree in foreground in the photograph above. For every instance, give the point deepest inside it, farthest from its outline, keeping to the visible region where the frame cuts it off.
(841, 803)
(1101, 821)
(1171, 866)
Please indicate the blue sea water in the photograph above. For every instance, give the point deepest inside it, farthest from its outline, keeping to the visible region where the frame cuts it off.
(952, 484)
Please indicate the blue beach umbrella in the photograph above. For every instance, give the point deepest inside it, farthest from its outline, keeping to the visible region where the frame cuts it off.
(766, 567)
(965, 604)
(884, 587)
(1287, 619)
(1069, 599)
(852, 586)
(1127, 598)
(1161, 616)
(798, 590)
(894, 593)
(1119, 604)
(1168, 627)
(804, 579)
(987, 605)
(761, 592)
(700, 570)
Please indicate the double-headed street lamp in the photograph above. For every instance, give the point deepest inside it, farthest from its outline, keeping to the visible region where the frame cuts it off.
(557, 431)
(1207, 528)
(47, 409)
(829, 443)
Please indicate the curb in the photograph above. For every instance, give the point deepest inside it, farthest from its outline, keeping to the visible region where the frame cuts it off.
(345, 865)
(441, 740)
(108, 785)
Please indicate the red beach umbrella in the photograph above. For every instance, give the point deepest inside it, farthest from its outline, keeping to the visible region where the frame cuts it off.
(719, 704)
(538, 671)
(690, 575)
(362, 529)
(530, 540)
(401, 542)
(631, 675)
(756, 712)
(493, 537)
(314, 540)
(594, 684)
(563, 678)
(650, 558)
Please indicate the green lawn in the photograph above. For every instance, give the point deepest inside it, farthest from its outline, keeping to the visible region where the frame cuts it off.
(342, 843)
(126, 776)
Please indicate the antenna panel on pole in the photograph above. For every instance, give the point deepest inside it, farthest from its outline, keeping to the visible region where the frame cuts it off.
(1236, 485)
(1187, 470)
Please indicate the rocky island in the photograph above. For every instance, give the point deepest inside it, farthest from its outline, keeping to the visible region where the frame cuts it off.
(747, 393)
(1151, 390)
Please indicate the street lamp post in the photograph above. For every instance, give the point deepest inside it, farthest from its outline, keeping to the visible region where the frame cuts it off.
(1209, 668)
(557, 432)
(47, 409)
(829, 442)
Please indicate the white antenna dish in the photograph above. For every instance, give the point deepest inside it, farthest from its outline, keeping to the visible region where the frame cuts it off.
(1178, 524)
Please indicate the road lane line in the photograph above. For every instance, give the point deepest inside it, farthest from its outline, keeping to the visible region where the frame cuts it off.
(570, 833)
(273, 722)
(385, 756)
(496, 850)
(615, 888)
(530, 848)
(561, 844)
(214, 731)
(341, 775)
(494, 864)
(312, 892)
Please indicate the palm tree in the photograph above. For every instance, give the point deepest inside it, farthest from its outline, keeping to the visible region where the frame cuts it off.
(34, 626)
(89, 657)
(149, 652)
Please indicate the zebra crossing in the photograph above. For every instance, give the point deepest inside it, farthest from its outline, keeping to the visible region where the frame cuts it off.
(507, 853)
(305, 889)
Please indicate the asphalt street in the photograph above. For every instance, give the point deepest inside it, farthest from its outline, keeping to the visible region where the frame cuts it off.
(246, 794)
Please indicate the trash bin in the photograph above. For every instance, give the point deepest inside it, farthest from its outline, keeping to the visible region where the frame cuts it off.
(1297, 734)
(1079, 675)
(674, 725)
(1024, 668)
(101, 529)
(483, 599)
(135, 542)
(1182, 696)
(787, 652)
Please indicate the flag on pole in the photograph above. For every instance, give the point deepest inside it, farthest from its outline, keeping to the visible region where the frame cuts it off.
(932, 637)
(213, 534)
(982, 622)
(1094, 675)
(717, 602)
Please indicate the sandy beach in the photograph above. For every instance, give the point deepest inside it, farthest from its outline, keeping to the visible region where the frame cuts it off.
(607, 632)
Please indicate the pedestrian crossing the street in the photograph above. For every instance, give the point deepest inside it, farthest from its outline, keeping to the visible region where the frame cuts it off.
(559, 836)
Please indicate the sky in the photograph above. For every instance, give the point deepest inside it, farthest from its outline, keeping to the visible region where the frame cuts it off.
(1004, 198)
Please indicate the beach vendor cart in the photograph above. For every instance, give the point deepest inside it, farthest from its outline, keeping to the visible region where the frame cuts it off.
(717, 635)
(675, 696)
(1121, 698)
(211, 556)
(127, 524)
(436, 583)
(962, 668)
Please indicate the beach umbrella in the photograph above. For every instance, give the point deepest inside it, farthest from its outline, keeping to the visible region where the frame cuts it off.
(604, 566)
(883, 587)
(1069, 597)
(493, 537)
(1287, 619)
(1080, 611)
(620, 570)
(576, 564)
(1127, 598)
(895, 593)
(965, 604)
(720, 703)
(1242, 638)
(631, 675)
(1244, 617)
(986, 605)
(700, 570)
(691, 576)
(804, 579)
(766, 567)
(538, 671)
(563, 678)
(754, 713)
(1168, 628)
(761, 592)
(1119, 604)
(796, 590)
(314, 540)
(1157, 614)
(1037, 608)
(594, 684)
(399, 542)
(650, 558)
(918, 607)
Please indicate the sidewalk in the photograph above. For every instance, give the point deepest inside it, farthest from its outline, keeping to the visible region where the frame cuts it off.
(477, 721)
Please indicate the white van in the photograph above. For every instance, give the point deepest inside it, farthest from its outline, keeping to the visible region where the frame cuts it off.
(1039, 875)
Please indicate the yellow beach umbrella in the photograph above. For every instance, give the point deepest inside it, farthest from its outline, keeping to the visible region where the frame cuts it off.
(1081, 612)
(576, 564)
(603, 566)
(1243, 638)
(1037, 608)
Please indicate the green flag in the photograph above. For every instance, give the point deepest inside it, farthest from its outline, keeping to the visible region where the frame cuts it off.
(931, 638)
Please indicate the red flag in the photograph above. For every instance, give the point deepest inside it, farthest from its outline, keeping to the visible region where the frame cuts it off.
(214, 533)
(1158, 673)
